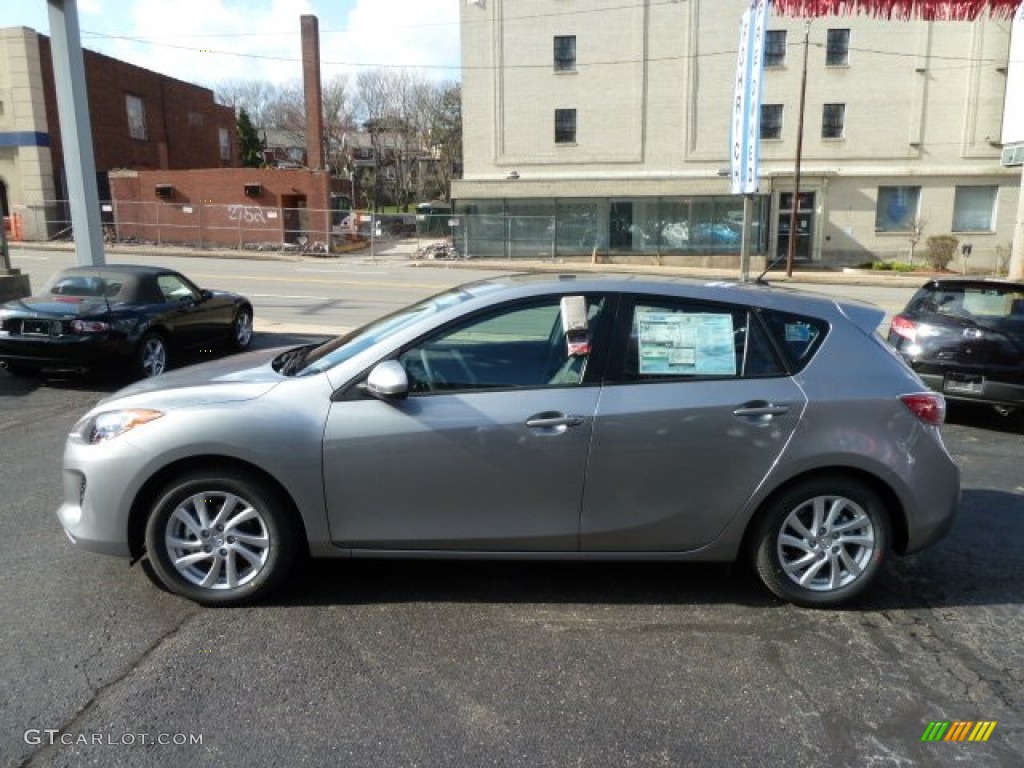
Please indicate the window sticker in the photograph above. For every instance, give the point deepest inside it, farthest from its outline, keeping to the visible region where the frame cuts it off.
(798, 332)
(685, 343)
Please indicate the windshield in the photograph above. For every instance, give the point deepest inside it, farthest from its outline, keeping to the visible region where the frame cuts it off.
(342, 348)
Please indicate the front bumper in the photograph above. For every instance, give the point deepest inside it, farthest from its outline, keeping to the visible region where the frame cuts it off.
(100, 482)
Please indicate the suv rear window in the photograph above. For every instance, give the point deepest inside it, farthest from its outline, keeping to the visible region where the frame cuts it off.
(990, 302)
(795, 336)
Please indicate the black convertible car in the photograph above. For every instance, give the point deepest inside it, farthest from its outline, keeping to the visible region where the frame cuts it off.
(121, 314)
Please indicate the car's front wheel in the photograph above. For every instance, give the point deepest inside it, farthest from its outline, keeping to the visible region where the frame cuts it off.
(822, 542)
(151, 355)
(219, 537)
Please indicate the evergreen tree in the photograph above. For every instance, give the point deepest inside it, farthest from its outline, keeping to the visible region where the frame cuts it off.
(249, 143)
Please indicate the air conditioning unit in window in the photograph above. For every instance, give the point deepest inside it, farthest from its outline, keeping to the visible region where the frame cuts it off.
(1013, 154)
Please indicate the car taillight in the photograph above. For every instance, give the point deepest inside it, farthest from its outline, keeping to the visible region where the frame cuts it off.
(901, 326)
(89, 326)
(929, 407)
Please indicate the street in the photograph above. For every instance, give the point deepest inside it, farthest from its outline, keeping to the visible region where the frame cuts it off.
(395, 663)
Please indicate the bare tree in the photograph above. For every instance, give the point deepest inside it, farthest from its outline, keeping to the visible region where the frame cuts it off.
(258, 97)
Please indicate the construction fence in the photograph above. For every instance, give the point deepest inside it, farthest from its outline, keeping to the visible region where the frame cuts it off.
(439, 235)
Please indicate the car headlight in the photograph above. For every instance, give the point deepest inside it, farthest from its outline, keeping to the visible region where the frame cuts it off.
(111, 424)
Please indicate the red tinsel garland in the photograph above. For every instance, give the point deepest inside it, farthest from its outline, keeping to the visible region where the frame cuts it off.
(929, 10)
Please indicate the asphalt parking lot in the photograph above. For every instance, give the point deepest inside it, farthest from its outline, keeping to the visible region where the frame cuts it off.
(465, 664)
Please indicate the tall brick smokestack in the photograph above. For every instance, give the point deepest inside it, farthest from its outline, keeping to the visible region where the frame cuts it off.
(313, 94)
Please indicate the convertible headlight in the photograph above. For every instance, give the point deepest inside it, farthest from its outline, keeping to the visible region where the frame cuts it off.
(111, 424)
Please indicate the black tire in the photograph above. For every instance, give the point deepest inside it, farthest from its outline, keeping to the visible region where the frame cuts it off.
(220, 562)
(151, 356)
(823, 565)
(241, 330)
(20, 369)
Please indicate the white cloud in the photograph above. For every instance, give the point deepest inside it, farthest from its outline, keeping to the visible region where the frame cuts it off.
(399, 33)
(211, 41)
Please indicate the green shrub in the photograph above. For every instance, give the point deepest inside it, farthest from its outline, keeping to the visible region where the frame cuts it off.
(941, 249)
(881, 266)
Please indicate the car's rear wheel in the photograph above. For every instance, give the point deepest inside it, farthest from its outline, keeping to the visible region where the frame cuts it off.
(241, 329)
(151, 355)
(219, 538)
(822, 542)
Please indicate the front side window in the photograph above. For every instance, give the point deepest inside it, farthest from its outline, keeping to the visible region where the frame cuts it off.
(565, 53)
(174, 288)
(523, 346)
(837, 48)
(833, 121)
(974, 209)
(683, 339)
(565, 126)
(896, 208)
(771, 121)
(775, 48)
(136, 109)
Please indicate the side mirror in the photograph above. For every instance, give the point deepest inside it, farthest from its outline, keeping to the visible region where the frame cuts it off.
(388, 381)
(205, 294)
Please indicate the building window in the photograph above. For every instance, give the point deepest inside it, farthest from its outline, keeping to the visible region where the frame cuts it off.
(195, 119)
(136, 108)
(837, 48)
(565, 126)
(896, 208)
(974, 209)
(833, 119)
(565, 53)
(771, 121)
(775, 48)
(225, 143)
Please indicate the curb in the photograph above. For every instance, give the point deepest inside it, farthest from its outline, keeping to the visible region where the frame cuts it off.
(820, 277)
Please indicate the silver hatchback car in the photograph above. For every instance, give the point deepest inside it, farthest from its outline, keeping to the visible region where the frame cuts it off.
(561, 417)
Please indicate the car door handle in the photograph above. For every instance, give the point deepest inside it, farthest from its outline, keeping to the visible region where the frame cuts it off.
(554, 420)
(761, 408)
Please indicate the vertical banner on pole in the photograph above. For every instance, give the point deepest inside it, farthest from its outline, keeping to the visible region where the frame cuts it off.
(745, 132)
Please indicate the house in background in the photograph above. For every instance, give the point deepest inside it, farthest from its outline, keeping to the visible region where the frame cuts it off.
(606, 128)
(140, 120)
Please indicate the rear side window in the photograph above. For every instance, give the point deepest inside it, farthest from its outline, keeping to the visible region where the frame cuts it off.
(797, 337)
(684, 339)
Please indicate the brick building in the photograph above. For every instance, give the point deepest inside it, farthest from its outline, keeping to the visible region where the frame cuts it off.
(140, 119)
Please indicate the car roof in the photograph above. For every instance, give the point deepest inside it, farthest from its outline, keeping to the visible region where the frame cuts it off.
(138, 270)
(756, 294)
(941, 283)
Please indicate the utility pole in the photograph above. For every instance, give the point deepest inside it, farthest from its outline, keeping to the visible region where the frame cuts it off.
(791, 250)
(76, 130)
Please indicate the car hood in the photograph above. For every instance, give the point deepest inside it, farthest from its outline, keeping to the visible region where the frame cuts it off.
(239, 377)
(56, 306)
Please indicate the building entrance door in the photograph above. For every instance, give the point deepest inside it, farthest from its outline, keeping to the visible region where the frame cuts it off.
(804, 251)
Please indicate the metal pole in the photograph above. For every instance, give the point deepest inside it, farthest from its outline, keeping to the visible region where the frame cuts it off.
(748, 218)
(76, 130)
(1016, 265)
(791, 250)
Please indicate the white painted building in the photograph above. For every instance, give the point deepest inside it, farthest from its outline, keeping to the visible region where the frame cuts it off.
(603, 124)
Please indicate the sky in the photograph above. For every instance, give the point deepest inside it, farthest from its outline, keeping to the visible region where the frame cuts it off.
(213, 41)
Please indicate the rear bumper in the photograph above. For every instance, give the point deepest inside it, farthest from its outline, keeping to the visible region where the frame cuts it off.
(992, 392)
(61, 351)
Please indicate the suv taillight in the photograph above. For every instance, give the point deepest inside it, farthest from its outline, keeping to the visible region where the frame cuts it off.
(929, 407)
(901, 326)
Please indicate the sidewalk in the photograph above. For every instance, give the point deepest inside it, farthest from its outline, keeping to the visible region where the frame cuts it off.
(401, 253)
